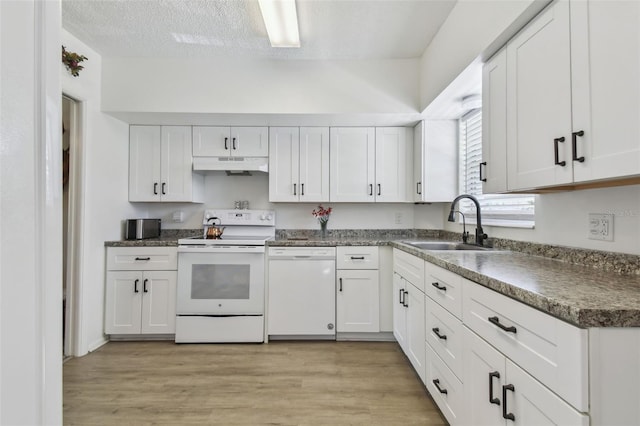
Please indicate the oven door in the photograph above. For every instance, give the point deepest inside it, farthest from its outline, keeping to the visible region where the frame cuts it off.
(220, 281)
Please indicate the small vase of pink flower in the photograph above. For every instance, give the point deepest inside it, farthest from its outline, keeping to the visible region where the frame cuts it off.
(322, 215)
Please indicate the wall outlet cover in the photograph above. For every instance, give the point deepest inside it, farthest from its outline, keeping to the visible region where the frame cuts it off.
(601, 227)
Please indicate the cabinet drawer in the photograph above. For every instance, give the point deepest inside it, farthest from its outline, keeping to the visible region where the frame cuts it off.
(142, 258)
(549, 349)
(444, 334)
(444, 287)
(450, 395)
(409, 267)
(357, 257)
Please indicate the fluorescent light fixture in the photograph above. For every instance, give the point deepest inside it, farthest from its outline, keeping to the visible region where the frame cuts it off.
(281, 20)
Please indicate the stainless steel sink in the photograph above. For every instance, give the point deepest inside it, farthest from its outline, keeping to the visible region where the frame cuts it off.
(445, 245)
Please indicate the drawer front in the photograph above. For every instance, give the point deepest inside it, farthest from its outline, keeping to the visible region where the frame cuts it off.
(355, 257)
(444, 335)
(549, 349)
(444, 387)
(142, 258)
(444, 287)
(409, 267)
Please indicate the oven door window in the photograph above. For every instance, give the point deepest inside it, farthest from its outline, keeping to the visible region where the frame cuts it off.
(218, 282)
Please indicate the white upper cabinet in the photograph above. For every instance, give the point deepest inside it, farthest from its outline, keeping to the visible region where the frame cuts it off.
(493, 169)
(299, 164)
(393, 164)
(605, 65)
(214, 141)
(352, 151)
(539, 99)
(435, 161)
(160, 165)
(573, 95)
(369, 165)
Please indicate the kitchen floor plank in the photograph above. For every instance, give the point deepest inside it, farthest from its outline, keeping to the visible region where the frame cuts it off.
(280, 383)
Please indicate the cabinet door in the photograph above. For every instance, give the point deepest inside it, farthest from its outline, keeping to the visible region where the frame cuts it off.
(176, 169)
(418, 162)
(211, 141)
(393, 165)
(284, 184)
(123, 302)
(399, 310)
(483, 376)
(415, 329)
(159, 302)
(605, 57)
(352, 152)
(532, 404)
(144, 163)
(539, 99)
(249, 141)
(493, 168)
(314, 164)
(357, 301)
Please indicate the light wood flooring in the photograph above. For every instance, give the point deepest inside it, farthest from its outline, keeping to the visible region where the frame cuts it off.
(280, 383)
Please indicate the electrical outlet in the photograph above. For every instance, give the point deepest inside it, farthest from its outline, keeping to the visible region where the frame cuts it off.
(398, 218)
(601, 227)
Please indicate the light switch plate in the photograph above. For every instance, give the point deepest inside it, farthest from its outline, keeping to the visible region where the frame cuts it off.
(601, 227)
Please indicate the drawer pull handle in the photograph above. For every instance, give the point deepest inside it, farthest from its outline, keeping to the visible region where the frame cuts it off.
(294, 189)
(143, 258)
(340, 289)
(404, 299)
(436, 382)
(436, 331)
(226, 143)
(438, 286)
(234, 143)
(357, 257)
(400, 297)
(135, 286)
(370, 189)
(483, 178)
(574, 146)
(144, 286)
(555, 152)
(505, 414)
(495, 321)
(155, 188)
(491, 398)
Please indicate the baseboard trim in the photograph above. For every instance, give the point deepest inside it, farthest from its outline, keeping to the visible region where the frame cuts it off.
(140, 337)
(384, 336)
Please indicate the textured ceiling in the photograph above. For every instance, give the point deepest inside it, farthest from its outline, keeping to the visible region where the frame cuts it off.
(329, 29)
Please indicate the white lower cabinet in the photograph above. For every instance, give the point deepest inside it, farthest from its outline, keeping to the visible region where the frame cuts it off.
(445, 388)
(357, 301)
(141, 290)
(497, 391)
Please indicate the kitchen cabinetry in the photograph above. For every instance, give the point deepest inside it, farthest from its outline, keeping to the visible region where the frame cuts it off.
(160, 165)
(444, 341)
(357, 295)
(573, 95)
(214, 141)
(409, 310)
(141, 290)
(493, 168)
(302, 292)
(435, 161)
(299, 164)
(370, 164)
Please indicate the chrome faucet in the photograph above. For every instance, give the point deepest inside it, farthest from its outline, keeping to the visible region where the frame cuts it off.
(480, 235)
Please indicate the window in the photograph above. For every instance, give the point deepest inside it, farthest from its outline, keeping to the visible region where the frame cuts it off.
(497, 209)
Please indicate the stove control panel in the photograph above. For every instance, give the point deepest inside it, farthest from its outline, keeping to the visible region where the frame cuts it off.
(240, 217)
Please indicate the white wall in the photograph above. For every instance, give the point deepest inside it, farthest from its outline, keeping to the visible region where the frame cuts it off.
(221, 191)
(104, 189)
(30, 214)
(240, 85)
(474, 27)
(562, 219)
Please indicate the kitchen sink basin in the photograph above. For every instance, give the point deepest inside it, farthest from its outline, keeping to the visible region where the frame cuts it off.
(445, 245)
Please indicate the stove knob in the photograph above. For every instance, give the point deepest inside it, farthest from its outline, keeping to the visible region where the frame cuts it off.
(263, 217)
(269, 217)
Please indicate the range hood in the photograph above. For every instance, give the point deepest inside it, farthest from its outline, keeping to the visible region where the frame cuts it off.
(233, 164)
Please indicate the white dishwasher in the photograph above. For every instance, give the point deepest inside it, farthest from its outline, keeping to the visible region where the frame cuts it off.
(302, 293)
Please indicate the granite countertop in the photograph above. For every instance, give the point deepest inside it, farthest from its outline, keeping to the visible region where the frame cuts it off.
(594, 294)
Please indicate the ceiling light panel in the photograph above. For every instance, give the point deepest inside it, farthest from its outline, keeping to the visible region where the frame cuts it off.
(281, 20)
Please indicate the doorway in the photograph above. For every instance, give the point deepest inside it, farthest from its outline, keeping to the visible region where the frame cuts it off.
(71, 183)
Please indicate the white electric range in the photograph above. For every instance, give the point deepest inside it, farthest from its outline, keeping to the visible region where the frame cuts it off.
(220, 295)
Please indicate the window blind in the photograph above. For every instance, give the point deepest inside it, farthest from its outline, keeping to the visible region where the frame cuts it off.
(497, 209)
